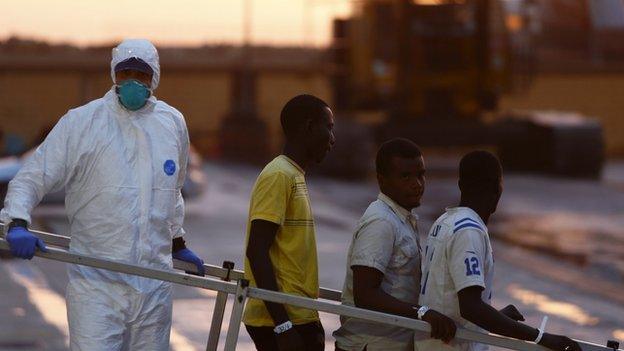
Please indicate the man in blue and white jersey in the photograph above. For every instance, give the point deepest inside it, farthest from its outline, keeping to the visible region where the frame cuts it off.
(458, 266)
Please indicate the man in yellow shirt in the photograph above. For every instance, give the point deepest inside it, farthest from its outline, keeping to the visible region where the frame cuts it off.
(281, 244)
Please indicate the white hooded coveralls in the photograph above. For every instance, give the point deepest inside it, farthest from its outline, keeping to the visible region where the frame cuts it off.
(123, 172)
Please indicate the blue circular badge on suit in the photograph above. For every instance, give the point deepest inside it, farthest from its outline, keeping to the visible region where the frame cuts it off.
(169, 167)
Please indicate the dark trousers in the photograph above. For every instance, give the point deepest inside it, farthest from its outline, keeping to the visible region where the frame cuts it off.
(313, 336)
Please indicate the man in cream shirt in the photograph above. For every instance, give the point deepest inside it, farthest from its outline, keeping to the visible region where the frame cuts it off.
(383, 265)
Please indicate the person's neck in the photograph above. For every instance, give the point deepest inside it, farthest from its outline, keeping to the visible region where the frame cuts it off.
(297, 154)
(407, 208)
(480, 209)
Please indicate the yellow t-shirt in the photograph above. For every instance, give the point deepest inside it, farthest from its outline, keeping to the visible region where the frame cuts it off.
(280, 196)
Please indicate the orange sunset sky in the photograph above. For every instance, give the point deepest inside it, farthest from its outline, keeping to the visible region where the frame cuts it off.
(171, 22)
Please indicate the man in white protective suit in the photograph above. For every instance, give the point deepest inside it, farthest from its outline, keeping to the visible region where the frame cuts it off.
(122, 162)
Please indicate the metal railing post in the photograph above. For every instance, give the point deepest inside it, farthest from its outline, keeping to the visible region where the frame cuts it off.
(237, 315)
(219, 311)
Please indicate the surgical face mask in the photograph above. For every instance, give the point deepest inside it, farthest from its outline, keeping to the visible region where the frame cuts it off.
(133, 94)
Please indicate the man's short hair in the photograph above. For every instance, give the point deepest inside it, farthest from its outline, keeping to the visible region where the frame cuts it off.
(479, 168)
(298, 110)
(397, 147)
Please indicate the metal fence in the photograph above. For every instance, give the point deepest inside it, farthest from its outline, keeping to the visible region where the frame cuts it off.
(220, 279)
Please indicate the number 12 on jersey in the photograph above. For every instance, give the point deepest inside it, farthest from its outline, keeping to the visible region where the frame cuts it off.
(472, 266)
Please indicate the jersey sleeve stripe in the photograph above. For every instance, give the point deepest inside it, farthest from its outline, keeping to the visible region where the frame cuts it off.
(424, 288)
(467, 225)
(466, 219)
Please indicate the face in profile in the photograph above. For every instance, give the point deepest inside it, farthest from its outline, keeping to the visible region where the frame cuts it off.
(321, 131)
(497, 195)
(405, 181)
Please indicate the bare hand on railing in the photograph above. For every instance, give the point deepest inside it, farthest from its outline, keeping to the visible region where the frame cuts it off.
(442, 327)
(290, 340)
(559, 343)
(512, 312)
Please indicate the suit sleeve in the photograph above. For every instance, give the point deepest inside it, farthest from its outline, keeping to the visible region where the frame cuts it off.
(183, 159)
(46, 170)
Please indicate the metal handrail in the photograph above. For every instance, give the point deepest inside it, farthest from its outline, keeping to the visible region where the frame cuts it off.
(242, 291)
(128, 268)
(211, 270)
(225, 273)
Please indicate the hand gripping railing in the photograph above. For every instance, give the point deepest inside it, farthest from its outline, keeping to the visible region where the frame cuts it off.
(225, 273)
(242, 291)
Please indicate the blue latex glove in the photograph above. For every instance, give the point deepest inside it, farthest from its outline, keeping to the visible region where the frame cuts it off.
(23, 243)
(187, 255)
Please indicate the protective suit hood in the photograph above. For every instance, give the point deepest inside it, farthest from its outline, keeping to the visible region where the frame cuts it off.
(123, 173)
(139, 48)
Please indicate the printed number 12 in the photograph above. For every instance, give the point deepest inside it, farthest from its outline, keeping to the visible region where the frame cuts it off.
(474, 268)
